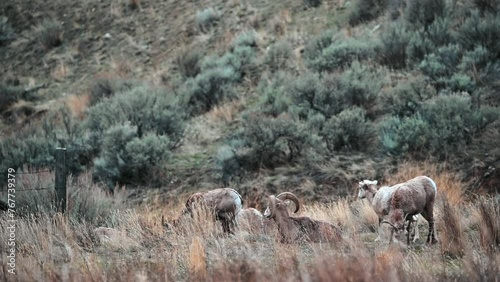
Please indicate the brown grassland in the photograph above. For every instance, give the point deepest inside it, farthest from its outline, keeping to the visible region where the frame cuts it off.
(52, 247)
(66, 58)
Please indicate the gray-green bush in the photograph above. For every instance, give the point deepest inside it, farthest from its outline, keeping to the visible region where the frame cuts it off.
(392, 48)
(339, 54)
(407, 97)
(279, 56)
(189, 63)
(6, 31)
(423, 13)
(50, 34)
(214, 83)
(149, 109)
(366, 10)
(443, 124)
(206, 19)
(128, 157)
(349, 130)
(268, 142)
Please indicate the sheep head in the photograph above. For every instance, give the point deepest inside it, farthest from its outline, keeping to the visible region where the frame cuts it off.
(367, 187)
(278, 204)
(398, 220)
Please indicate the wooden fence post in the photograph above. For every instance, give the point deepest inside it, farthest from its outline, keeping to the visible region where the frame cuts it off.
(61, 179)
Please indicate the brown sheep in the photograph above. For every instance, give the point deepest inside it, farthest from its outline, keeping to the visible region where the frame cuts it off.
(380, 200)
(410, 198)
(293, 229)
(225, 203)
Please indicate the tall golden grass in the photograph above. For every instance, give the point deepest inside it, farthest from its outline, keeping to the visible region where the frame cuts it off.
(59, 248)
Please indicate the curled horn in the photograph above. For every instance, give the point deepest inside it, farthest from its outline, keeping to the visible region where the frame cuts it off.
(385, 221)
(290, 196)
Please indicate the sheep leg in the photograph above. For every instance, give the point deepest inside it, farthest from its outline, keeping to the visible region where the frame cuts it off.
(408, 231)
(379, 229)
(428, 215)
(416, 232)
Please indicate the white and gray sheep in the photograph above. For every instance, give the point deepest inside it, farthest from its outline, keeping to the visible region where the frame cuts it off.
(416, 196)
(380, 200)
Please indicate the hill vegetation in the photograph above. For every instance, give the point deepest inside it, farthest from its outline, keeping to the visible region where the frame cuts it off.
(157, 99)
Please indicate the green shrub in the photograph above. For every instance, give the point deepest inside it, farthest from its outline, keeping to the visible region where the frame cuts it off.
(477, 31)
(312, 3)
(150, 110)
(460, 82)
(127, 157)
(407, 97)
(317, 44)
(50, 34)
(269, 142)
(103, 88)
(440, 32)
(245, 39)
(476, 59)
(208, 89)
(307, 95)
(392, 49)
(444, 124)
(361, 85)
(422, 13)
(279, 56)
(214, 83)
(341, 53)
(439, 66)
(9, 95)
(488, 6)
(406, 136)
(189, 63)
(348, 130)
(418, 47)
(6, 31)
(394, 8)
(366, 10)
(206, 19)
(273, 96)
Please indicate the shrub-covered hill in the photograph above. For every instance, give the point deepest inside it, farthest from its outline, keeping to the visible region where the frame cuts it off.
(264, 96)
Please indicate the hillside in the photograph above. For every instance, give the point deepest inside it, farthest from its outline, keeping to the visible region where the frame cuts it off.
(156, 100)
(258, 95)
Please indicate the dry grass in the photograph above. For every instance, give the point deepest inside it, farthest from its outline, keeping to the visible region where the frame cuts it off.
(138, 248)
(60, 71)
(227, 112)
(77, 104)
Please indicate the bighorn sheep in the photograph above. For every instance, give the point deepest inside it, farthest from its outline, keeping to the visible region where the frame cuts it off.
(252, 220)
(294, 229)
(225, 203)
(411, 198)
(380, 200)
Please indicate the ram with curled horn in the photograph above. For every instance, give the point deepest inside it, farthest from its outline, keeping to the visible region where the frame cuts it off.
(295, 229)
(224, 203)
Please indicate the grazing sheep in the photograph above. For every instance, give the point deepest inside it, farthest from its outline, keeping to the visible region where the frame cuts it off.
(225, 203)
(294, 229)
(380, 200)
(410, 198)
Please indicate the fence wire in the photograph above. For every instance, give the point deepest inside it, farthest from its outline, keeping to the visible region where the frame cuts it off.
(31, 189)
